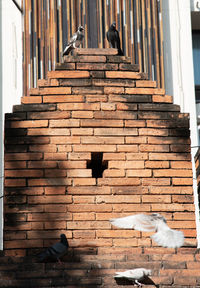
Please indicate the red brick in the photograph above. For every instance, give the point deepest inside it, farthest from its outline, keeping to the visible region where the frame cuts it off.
(72, 164)
(172, 173)
(23, 173)
(83, 199)
(144, 90)
(96, 66)
(49, 115)
(23, 244)
(14, 182)
(68, 74)
(80, 208)
(126, 164)
(55, 90)
(123, 74)
(43, 148)
(172, 207)
(114, 156)
(42, 164)
(49, 131)
(50, 199)
(157, 164)
(101, 123)
(56, 225)
(146, 83)
(181, 164)
(182, 199)
(82, 234)
(156, 199)
(31, 100)
(15, 165)
(139, 173)
(55, 156)
(49, 182)
(113, 173)
(114, 115)
(118, 181)
(156, 181)
(182, 181)
(83, 217)
(64, 123)
(154, 132)
(55, 191)
(64, 148)
(114, 90)
(96, 98)
(169, 156)
(118, 199)
(154, 148)
(79, 225)
(87, 90)
(127, 148)
(79, 106)
(135, 123)
(95, 51)
(115, 131)
(108, 106)
(84, 181)
(136, 156)
(101, 140)
(162, 99)
(88, 190)
(63, 99)
(23, 156)
(82, 114)
(172, 190)
(79, 173)
(94, 148)
(64, 140)
(27, 124)
(55, 173)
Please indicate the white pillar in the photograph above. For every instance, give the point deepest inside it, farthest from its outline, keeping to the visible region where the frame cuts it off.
(11, 78)
(179, 74)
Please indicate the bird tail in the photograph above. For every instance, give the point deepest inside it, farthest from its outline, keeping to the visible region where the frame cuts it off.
(120, 52)
(169, 238)
(123, 222)
(67, 50)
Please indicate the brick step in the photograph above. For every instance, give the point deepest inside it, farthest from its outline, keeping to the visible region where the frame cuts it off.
(98, 270)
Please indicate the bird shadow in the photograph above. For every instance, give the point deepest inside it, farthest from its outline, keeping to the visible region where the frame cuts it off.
(146, 280)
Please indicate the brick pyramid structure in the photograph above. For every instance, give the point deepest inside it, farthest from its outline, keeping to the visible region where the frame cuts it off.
(96, 140)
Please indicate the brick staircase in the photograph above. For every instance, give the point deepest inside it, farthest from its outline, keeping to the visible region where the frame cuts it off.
(96, 104)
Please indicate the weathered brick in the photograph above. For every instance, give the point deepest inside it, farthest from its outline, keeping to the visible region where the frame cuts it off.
(101, 123)
(68, 74)
(123, 74)
(79, 106)
(114, 90)
(31, 100)
(96, 66)
(55, 90)
(87, 90)
(62, 99)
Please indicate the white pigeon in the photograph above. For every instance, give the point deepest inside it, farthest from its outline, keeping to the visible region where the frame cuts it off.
(75, 41)
(134, 275)
(164, 235)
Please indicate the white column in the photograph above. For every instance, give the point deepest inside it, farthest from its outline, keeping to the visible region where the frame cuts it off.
(179, 74)
(11, 78)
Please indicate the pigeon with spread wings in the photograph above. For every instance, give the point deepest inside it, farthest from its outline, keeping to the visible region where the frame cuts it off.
(164, 235)
(75, 41)
(113, 38)
(134, 275)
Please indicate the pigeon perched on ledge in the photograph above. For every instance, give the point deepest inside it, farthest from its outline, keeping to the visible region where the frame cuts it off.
(113, 38)
(75, 41)
(56, 251)
(164, 235)
(134, 275)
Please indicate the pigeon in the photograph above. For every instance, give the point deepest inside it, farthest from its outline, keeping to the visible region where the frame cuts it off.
(113, 38)
(164, 235)
(75, 41)
(134, 275)
(56, 251)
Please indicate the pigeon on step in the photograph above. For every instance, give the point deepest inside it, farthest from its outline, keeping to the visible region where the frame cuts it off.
(113, 38)
(75, 41)
(164, 235)
(134, 275)
(56, 251)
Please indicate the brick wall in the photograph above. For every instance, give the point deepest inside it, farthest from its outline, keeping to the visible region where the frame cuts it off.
(98, 104)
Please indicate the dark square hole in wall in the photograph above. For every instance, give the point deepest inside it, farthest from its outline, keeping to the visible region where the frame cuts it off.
(97, 164)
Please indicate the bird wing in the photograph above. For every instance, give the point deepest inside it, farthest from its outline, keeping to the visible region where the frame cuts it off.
(73, 39)
(169, 238)
(139, 222)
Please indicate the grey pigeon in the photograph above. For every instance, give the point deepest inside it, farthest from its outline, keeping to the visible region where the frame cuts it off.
(75, 41)
(164, 235)
(56, 251)
(113, 38)
(134, 275)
